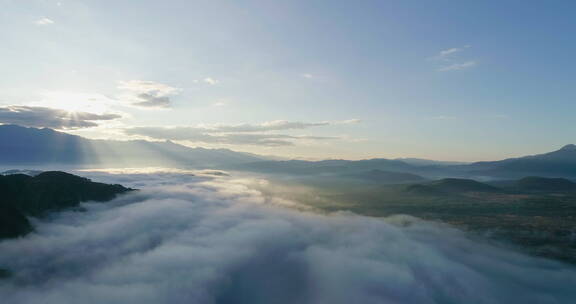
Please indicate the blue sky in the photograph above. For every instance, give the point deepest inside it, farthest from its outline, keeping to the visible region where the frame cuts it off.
(451, 80)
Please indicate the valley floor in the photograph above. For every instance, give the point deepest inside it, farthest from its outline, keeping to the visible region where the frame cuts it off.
(541, 224)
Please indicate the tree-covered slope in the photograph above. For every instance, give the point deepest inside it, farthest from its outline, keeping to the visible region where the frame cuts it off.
(22, 195)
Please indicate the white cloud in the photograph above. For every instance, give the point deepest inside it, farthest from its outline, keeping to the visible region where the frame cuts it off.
(210, 81)
(350, 121)
(147, 86)
(189, 239)
(148, 94)
(458, 66)
(44, 21)
(448, 53)
(219, 104)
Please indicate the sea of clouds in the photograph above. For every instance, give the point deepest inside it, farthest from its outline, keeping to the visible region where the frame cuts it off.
(211, 238)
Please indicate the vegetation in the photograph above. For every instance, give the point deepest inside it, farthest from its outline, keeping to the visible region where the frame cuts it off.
(542, 223)
(23, 195)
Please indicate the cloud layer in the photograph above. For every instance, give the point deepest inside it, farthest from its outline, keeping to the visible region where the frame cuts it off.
(206, 136)
(239, 134)
(187, 239)
(148, 94)
(32, 116)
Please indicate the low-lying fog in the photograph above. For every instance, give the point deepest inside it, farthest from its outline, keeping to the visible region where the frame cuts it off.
(214, 239)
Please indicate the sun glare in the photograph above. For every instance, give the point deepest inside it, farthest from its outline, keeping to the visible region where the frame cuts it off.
(76, 102)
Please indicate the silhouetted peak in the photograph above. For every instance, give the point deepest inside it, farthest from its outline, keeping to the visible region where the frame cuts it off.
(59, 175)
(570, 147)
(48, 130)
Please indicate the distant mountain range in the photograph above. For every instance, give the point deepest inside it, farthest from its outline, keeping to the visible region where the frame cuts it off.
(429, 162)
(386, 177)
(36, 147)
(560, 163)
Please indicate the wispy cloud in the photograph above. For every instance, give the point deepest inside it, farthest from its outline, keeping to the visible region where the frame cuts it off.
(349, 121)
(44, 21)
(238, 134)
(449, 59)
(275, 125)
(43, 117)
(448, 53)
(205, 136)
(148, 94)
(458, 66)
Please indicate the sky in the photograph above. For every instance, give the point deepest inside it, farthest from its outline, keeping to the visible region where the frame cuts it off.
(447, 80)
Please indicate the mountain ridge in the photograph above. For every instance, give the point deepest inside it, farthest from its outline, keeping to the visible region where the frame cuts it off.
(36, 147)
(558, 163)
(33, 146)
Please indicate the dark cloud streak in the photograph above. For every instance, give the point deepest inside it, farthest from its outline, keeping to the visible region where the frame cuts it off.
(43, 117)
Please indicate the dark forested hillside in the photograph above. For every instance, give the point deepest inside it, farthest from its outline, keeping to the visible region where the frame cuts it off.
(23, 195)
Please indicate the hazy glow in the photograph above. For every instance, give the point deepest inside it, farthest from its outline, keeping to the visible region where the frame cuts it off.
(76, 102)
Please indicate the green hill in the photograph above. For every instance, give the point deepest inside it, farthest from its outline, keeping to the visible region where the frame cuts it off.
(544, 184)
(452, 186)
